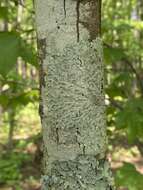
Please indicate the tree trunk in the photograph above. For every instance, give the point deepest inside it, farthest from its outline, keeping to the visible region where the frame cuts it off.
(72, 106)
(11, 121)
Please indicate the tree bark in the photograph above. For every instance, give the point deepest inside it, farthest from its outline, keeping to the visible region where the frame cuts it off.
(72, 106)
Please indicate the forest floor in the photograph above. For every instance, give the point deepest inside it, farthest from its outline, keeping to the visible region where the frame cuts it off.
(20, 168)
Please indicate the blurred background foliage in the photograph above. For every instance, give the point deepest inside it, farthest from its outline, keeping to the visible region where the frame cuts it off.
(20, 131)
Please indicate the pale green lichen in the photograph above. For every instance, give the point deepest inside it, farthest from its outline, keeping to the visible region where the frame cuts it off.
(74, 99)
(86, 172)
(74, 123)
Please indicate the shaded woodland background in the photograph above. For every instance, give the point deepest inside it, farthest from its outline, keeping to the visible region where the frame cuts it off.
(20, 130)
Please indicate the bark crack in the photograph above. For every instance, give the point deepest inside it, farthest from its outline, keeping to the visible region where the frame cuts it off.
(41, 56)
(83, 149)
(77, 20)
(65, 13)
(57, 135)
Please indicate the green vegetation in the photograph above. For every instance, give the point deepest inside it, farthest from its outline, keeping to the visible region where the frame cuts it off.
(20, 142)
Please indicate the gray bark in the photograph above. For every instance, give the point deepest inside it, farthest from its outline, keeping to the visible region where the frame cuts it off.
(72, 106)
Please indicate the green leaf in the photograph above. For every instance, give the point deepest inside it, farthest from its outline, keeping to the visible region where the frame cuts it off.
(7, 100)
(113, 90)
(28, 53)
(4, 99)
(127, 176)
(4, 13)
(121, 83)
(24, 98)
(9, 50)
(130, 119)
(112, 55)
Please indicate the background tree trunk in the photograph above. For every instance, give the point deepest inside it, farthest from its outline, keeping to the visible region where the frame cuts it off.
(72, 95)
